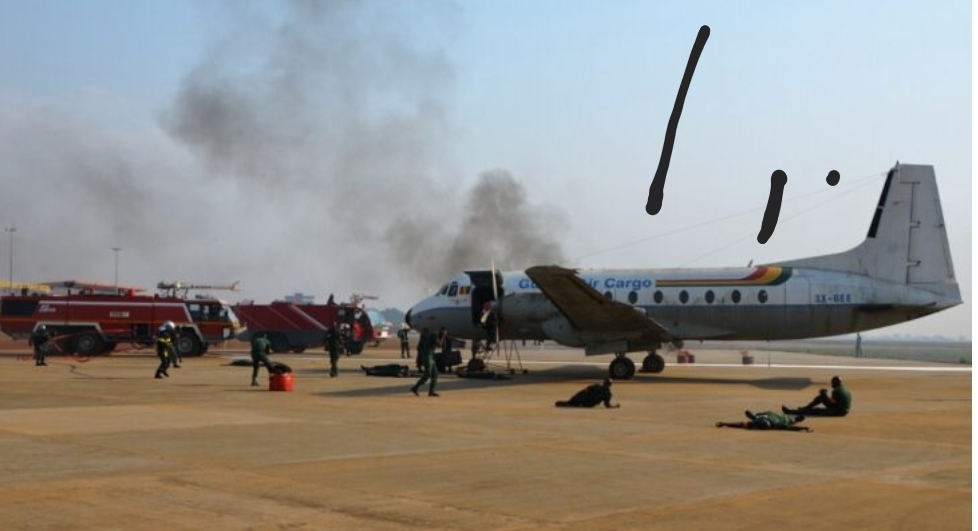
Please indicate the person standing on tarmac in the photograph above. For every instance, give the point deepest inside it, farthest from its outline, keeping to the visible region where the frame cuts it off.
(332, 341)
(426, 357)
(260, 346)
(171, 329)
(39, 340)
(164, 350)
(402, 334)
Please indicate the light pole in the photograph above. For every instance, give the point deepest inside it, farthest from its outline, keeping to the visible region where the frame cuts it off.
(11, 230)
(117, 249)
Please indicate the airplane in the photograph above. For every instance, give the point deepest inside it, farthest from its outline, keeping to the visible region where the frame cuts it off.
(900, 272)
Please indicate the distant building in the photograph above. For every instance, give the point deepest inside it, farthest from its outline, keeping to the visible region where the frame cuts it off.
(300, 298)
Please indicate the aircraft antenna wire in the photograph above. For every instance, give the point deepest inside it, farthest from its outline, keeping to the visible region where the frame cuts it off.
(842, 193)
(858, 183)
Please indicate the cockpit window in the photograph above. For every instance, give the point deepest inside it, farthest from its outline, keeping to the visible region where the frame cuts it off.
(443, 290)
(453, 290)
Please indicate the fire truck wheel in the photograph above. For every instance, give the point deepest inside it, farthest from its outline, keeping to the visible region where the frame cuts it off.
(189, 345)
(88, 344)
(280, 343)
(298, 350)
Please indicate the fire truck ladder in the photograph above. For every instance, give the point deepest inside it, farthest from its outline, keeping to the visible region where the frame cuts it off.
(174, 289)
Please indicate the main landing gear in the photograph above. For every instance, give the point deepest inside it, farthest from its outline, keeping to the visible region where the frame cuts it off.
(653, 363)
(621, 368)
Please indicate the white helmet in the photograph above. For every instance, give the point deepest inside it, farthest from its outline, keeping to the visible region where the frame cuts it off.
(169, 324)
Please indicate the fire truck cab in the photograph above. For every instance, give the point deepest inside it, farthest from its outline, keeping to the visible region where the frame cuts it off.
(91, 322)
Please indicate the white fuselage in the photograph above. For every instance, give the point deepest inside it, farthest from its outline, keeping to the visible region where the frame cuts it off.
(756, 303)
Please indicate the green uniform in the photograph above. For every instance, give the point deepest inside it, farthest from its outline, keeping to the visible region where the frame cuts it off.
(836, 404)
(176, 359)
(260, 345)
(164, 351)
(333, 347)
(39, 340)
(402, 334)
(771, 420)
(842, 397)
(768, 420)
(426, 358)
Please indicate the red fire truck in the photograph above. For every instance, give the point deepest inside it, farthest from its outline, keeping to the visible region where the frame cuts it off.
(91, 319)
(293, 326)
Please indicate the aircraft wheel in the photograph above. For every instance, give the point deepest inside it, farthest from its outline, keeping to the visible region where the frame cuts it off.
(653, 363)
(621, 368)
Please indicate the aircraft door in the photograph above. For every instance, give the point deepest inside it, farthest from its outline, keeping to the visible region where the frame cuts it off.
(482, 291)
(798, 309)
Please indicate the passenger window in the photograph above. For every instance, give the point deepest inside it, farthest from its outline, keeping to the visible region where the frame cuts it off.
(608, 295)
(632, 297)
(762, 296)
(657, 297)
(735, 296)
(683, 297)
(709, 296)
(453, 290)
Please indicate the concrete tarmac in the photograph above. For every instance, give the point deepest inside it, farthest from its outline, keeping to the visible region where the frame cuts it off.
(102, 445)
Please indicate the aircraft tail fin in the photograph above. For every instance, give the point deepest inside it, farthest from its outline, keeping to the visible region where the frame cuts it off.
(907, 241)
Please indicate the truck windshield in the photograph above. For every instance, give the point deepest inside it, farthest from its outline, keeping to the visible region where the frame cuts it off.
(229, 316)
(212, 312)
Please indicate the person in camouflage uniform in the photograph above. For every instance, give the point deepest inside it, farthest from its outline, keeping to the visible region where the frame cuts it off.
(767, 420)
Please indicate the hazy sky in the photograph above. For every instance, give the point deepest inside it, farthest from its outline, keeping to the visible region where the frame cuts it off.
(337, 147)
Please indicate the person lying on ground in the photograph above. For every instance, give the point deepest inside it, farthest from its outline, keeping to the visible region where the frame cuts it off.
(767, 420)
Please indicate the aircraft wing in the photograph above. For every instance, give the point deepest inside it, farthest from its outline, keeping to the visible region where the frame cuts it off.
(590, 311)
